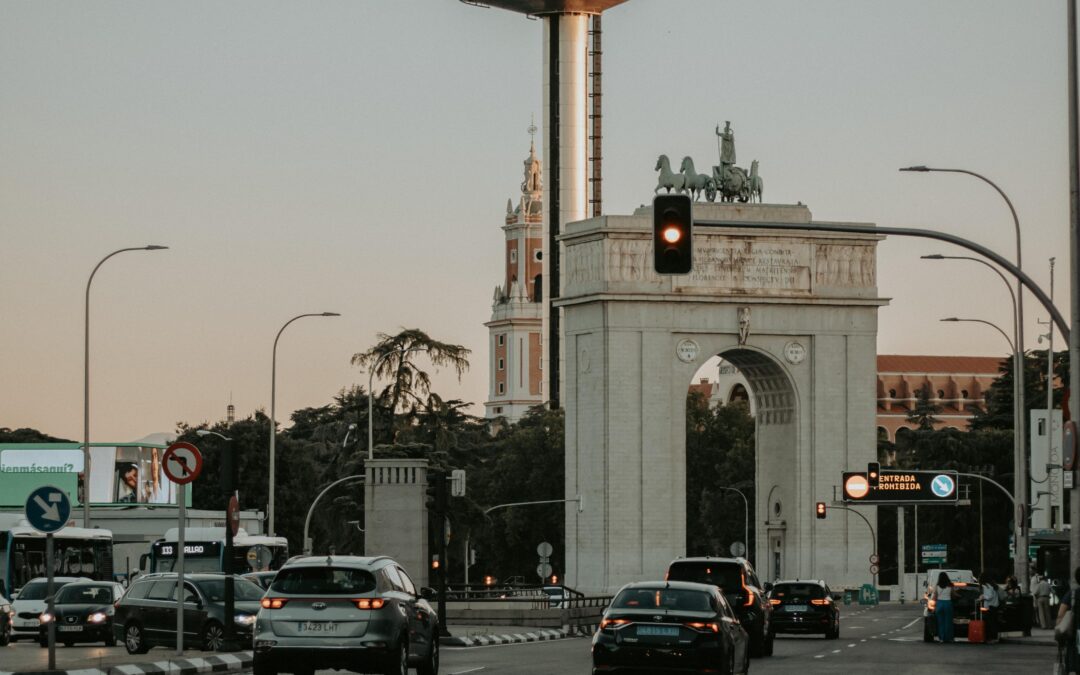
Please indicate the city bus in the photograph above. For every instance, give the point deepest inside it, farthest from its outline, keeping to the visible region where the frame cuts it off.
(204, 551)
(77, 552)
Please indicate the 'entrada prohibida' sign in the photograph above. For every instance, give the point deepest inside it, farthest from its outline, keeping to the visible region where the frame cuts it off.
(912, 487)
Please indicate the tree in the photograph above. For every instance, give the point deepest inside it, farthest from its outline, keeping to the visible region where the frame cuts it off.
(923, 413)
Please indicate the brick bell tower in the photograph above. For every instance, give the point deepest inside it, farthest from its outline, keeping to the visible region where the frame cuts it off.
(516, 327)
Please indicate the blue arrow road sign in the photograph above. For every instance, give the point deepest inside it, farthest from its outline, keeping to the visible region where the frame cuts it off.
(48, 509)
(943, 486)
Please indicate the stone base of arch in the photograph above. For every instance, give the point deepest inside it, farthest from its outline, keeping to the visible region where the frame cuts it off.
(796, 313)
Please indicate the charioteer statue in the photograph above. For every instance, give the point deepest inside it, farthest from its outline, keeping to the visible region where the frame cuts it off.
(729, 181)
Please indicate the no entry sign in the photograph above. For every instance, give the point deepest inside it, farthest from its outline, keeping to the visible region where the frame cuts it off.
(910, 487)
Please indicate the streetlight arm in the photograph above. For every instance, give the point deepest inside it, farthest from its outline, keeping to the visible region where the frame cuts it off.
(1012, 345)
(1012, 293)
(311, 510)
(1024, 279)
(544, 501)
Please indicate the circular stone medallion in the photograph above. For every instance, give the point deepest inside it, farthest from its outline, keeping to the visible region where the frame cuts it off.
(794, 352)
(687, 351)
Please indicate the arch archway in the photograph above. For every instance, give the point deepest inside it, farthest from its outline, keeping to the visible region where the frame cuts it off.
(796, 314)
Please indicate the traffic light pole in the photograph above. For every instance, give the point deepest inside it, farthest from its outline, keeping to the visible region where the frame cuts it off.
(873, 537)
(440, 573)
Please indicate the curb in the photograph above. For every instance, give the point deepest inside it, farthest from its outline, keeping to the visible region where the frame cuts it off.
(1035, 642)
(512, 638)
(223, 663)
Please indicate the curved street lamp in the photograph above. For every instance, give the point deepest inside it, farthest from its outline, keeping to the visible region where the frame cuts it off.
(86, 377)
(1020, 425)
(273, 420)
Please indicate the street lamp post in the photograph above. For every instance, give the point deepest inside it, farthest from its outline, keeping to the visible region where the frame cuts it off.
(746, 517)
(228, 464)
(1020, 425)
(307, 521)
(86, 378)
(273, 420)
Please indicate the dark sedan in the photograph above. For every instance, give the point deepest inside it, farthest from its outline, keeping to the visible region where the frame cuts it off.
(82, 612)
(675, 626)
(804, 607)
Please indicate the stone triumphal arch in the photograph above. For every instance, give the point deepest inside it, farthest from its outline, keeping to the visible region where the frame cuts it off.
(795, 311)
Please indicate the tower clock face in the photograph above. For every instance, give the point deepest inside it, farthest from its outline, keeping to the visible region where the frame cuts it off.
(794, 352)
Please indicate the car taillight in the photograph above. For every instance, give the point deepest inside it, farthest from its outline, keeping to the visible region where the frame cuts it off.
(774, 602)
(370, 603)
(703, 627)
(613, 623)
(273, 603)
(749, 593)
(821, 601)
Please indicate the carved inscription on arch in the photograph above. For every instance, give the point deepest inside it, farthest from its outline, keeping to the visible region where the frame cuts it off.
(750, 266)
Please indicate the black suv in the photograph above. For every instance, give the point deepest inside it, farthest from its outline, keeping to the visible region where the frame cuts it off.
(804, 607)
(736, 578)
(146, 615)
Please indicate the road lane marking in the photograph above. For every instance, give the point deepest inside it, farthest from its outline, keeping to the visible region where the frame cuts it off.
(851, 645)
(913, 622)
(836, 651)
(819, 656)
(470, 670)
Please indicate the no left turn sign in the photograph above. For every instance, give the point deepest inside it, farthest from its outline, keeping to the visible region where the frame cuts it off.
(182, 463)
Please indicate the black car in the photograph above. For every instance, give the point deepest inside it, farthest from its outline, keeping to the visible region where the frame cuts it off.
(362, 614)
(6, 615)
(82, 612)
(804, 607)
(263, 579)
(736, 578)
(653, 626)
(146, 615)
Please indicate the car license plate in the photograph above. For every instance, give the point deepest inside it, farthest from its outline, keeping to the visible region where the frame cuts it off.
(658, 631)
(70, 629)
(317, 627)
(796, 608)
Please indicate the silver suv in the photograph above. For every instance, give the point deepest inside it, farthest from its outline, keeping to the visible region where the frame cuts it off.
(346, 613)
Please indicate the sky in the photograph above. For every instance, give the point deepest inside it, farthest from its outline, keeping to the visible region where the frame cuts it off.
(356, 157)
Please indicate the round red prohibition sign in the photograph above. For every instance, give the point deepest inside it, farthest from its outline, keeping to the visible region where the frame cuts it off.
(857, 487)
(182, 463)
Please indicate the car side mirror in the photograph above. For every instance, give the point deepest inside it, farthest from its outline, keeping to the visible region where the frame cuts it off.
(427, 593)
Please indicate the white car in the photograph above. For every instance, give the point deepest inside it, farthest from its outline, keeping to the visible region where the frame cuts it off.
(29, 603)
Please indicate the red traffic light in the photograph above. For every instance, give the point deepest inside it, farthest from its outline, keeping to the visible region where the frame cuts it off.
(821, 510)
(672, 234)
(673, 222)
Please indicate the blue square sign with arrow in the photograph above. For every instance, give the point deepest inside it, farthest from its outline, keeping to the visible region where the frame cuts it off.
(48, 509)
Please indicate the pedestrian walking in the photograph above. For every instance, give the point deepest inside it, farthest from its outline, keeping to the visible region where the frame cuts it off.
(943, 608)
(1041, 591)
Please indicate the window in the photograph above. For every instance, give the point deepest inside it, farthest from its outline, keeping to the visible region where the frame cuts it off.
(162, 590)
(513, 255)
(410, 588)
(892, 393)
(502, 364)
(502, 388)
(395, 580)
(538, 255)
(323, 581)
(498, 410)
(502, 339)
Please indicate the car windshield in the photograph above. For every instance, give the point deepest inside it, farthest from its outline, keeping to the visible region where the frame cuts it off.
(797, 592)
(214, 590)
(323, 581)
(36, 590)
(663, 598)
(725, 575)
(80, 594)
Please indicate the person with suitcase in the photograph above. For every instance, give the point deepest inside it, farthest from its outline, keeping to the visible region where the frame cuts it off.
(992, 604)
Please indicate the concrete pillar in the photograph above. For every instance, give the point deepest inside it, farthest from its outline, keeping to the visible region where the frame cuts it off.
(396, 519)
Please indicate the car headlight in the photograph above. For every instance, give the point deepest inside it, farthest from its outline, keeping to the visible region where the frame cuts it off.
(244, 619)
(45, 617)
(97, 617)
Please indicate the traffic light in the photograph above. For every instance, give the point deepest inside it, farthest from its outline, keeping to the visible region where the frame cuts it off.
(873, 474)
(821, 510)
(435, 561)
(673, 226)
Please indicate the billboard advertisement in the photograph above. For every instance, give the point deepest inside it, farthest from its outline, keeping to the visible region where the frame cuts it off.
(120, 473)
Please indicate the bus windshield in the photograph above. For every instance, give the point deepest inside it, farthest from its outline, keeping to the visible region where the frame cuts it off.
(22, 557)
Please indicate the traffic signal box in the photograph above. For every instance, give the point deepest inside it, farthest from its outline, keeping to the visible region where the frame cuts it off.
(673, 226)
(821, 510)
(873, 474)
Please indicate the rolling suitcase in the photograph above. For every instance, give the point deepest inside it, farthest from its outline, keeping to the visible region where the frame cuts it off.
(977, 631)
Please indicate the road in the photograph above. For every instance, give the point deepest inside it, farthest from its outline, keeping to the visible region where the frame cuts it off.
(886, 638)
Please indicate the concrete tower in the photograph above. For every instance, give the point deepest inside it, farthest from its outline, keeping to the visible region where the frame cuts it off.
(515, 329)
(567, 133)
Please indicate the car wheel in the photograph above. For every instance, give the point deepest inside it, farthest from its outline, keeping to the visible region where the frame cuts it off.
(430, 665)
(134, 639)
(398, 664)
(212, 636)
(110, 640)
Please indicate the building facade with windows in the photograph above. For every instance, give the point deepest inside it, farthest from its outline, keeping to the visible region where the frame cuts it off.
(515, 329)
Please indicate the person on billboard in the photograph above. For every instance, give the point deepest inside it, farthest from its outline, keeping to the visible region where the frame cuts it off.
(128, 485)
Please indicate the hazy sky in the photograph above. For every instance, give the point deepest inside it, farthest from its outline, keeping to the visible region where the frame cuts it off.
(356, 156)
